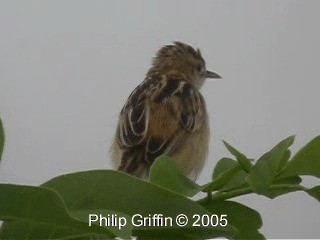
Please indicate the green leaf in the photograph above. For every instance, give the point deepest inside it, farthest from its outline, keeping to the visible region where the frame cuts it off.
(277, 190)
(237, 180)
(101, 189)
(305, 162)
(314, 192)
(165, 173)
(222, 166)
(225, 173)
(246, 220)
(2, 138)
(27, 230)
(40, 206)
(264, 171)
(244, 162)
(284, 160)
(221, 180)
(117, 191)
(281, 189)
(294, 180)
(233, 175)
(32, 203)
(188, 233)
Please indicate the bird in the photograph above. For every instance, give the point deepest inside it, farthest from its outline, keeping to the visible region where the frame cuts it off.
(165, 114)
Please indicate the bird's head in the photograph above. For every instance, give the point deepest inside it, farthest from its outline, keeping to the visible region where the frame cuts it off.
(184, 59)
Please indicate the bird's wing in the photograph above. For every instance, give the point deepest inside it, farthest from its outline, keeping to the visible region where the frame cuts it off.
(192, 108)
(156, 119)
(134, 117)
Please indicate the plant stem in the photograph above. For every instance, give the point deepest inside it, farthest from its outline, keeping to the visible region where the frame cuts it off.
(231, 194)
(247, 190)
(288, 186)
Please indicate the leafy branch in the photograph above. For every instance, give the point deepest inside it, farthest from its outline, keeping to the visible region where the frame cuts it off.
(59, 208)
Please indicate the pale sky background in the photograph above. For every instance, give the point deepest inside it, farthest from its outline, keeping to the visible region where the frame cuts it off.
(67, 67)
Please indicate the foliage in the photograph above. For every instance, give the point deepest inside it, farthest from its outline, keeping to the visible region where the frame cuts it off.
(60, 208)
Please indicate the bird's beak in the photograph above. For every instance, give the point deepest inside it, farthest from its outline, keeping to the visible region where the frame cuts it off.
(212, 75)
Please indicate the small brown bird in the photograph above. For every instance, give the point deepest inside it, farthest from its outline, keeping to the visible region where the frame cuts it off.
(166, 114)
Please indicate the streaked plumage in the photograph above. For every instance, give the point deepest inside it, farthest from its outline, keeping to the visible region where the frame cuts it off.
(165, 114)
